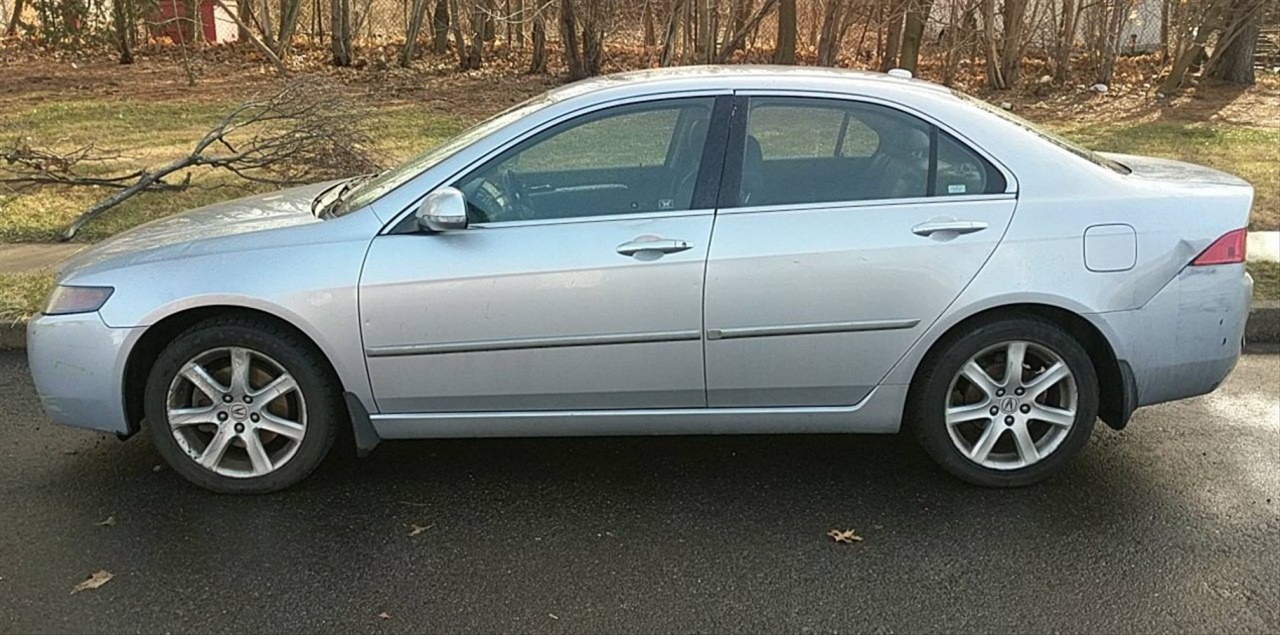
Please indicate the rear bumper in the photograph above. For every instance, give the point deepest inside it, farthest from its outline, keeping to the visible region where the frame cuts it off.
(1188, 338)
(77, 363)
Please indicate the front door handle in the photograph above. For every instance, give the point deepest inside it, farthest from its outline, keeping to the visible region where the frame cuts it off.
(653, 244)
(954, 226)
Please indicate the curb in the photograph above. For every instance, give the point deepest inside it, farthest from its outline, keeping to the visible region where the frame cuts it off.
(1263, 327)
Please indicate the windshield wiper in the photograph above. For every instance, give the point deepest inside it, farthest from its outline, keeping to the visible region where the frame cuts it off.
(315, 202)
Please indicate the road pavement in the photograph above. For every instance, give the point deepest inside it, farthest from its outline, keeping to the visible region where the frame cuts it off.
(1171, 525)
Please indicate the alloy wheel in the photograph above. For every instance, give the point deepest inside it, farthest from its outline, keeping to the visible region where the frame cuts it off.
(1011, 405)
(236, 412)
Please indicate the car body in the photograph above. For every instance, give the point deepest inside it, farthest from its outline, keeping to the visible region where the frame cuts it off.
(777, 282)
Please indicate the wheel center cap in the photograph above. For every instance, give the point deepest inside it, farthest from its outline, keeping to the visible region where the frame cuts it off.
(239, 412)
(1008, 405)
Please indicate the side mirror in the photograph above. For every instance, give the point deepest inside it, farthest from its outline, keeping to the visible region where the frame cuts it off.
(443, 210)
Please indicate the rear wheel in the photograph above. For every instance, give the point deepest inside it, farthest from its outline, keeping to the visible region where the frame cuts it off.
(1007, 404)
(241, 406)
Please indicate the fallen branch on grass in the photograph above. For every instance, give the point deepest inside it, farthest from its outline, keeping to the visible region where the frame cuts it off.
(304, 133)
(23, 166)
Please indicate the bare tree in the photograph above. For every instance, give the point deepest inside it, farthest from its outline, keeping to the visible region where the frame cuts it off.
(340, 43)
(538, 56)
(1232, 59)
(582, 31)
(735, 41)
(417, 13)
(124, 22)
(785, 51)
(302, 134)
(440, 27)
(913, 33)
(1066, 39)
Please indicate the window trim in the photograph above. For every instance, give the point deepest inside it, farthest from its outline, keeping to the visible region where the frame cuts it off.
(914, 201)
(403, 221)
(733, 161)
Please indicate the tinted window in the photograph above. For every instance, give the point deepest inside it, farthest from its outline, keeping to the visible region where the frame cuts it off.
(625, 160)
(961, 171)
(806, 150)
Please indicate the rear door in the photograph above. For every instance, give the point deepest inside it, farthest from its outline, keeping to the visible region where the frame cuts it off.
(845, 229)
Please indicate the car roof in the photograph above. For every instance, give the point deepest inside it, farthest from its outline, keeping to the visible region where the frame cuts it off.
(744, 77)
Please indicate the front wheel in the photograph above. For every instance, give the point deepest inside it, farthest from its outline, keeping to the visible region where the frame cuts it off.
(1007, 404)
(238, 405)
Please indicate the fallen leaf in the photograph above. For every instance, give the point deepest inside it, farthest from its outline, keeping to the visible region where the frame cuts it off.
(384, 615)
(109, 522)
(94, 581)
(552, 616)
(417, 529)
(848, 536)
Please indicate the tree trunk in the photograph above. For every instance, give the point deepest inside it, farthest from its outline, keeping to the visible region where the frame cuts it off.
(785, 53)
(124, 26)
(289, 12)
(340, 25)
(538, 61)
(828, 46)
(569, 40)
(913, 33)
(1066, 40)
(671, 33)
(480, 28)
(1015, 12)
(995, 74)
(440, 27)
(594, 22)
(1234, 62)
(416, 16)
(650, 27)
(736, 40)
(15, 20)
(257, 43)
(893, 40)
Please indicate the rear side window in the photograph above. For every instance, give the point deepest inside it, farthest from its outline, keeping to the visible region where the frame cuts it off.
(811, 150)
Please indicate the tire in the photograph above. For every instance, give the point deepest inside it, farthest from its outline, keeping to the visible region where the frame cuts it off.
(1036, 435)
(265, 446)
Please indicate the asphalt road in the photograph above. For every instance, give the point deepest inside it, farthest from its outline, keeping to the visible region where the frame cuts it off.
(1172, 525)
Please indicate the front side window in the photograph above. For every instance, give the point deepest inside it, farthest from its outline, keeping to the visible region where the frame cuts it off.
(811, 150)
(625, 160)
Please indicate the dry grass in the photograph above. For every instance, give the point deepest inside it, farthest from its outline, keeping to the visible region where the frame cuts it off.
(22, 295)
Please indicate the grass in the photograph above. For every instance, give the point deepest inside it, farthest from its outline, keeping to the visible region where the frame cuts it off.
(1266, 281)
(1251, 153)
(153, 133)
(22, 295)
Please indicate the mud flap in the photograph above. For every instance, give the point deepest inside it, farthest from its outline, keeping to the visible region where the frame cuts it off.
(1117, 415)
(362, 430)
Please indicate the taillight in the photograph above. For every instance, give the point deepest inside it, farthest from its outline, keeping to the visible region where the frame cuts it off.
(1224, 251)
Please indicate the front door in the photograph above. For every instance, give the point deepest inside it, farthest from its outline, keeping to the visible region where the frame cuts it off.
(853, 227)
(578, 284)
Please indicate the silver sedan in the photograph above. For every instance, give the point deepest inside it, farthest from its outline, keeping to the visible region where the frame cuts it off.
(693, 251)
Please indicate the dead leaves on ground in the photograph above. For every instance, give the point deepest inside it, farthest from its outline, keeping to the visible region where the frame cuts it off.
(417, 529)
(384, 615)
(94, 581)
(848, 536)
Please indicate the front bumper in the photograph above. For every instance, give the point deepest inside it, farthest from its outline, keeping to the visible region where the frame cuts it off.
(77, 363)
(1188, 338)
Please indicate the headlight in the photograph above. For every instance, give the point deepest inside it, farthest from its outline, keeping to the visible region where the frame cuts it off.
(66, 300)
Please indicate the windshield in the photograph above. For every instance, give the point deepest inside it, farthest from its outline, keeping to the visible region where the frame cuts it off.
(1079, 151)
(372, 189)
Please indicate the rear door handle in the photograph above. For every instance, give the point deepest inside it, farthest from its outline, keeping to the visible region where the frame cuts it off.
(653, 244)
(955, 226)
